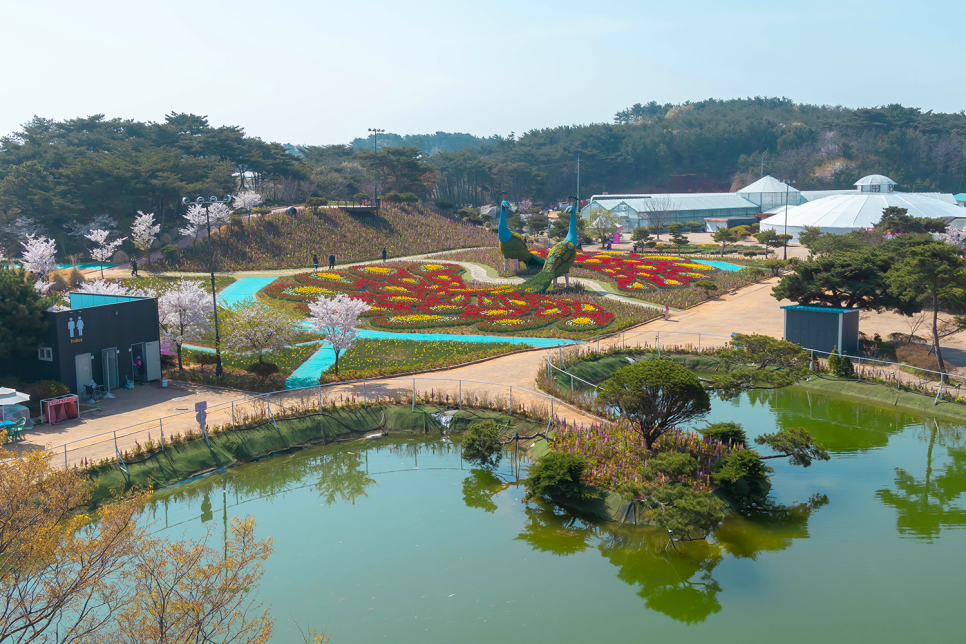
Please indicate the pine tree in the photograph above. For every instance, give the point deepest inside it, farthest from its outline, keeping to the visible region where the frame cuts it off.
(22, 307)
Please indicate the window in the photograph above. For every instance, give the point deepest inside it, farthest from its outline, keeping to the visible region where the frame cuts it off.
(46, 354)
(874, 187)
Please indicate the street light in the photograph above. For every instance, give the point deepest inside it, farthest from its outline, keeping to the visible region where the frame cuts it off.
(375, 148)
(785, 245)
(201, 201)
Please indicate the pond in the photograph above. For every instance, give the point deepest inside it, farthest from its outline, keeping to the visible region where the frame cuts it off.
(398, 541)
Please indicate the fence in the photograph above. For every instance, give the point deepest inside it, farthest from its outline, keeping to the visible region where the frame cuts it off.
(864, 367)
(130, 441)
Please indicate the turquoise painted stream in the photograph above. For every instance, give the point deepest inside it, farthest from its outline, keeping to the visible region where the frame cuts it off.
(396, 541)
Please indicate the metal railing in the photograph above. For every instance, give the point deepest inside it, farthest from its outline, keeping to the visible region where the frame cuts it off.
(160, 433)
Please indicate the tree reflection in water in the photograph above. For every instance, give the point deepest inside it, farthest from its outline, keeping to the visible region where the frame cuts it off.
(549, 529)
(767, 527)
(480, 487)
(925, 506)
(343, 476)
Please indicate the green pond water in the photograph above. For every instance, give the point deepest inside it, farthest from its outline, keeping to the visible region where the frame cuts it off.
(396, 541)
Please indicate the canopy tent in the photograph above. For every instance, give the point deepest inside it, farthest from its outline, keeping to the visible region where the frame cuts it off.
(10, 407)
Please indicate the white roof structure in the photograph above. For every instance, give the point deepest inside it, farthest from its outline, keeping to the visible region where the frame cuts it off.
(672, 201)
(875, 180)
(767, 183)
(840, 214)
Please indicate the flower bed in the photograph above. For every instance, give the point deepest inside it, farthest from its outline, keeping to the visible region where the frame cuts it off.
(635, 273)
(424, 296)
(616, 453)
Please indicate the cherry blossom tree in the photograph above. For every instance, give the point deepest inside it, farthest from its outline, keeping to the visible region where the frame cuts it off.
(23, 226)
(184, 311)
(100, 222)
(218, 213)
(143, 233)
(103, 287)
(251, 326)
(335, 320)
(39, 255)
(247, 200)
(104, 249)
(954, 236)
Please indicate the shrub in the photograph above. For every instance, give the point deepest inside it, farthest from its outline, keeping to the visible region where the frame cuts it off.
(59, 283)
(481, 444)
(76, 278)
(170, 252)
(44, 389)
(315, 202)
(360, 196)
(410, 197)
(120, 257)
(262, 369)
(557, 476)
(840, 365)
(235, 221)
(917, 355)
(261, 211)
(726, 433)
(696, 226)
(742, 476)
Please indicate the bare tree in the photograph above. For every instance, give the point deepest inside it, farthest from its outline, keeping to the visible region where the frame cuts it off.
(658, 211)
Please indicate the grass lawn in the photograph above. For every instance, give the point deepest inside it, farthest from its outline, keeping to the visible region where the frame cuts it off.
(162, 282)
(374, 356)
(287, 360)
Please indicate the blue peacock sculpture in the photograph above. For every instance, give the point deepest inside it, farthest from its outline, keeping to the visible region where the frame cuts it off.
(512, 245)
(559, 260)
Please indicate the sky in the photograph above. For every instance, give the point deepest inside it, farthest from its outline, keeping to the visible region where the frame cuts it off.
(323, 72)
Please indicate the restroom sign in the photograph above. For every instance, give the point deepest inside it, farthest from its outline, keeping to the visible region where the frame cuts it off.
(75, 328)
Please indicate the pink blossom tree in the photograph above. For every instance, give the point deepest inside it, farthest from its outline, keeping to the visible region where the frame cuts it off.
(143, 233)
(104, 249)
(335, 320)
(39, 255)
(184, 311)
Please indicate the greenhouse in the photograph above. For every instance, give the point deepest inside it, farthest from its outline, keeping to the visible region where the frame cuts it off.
(842, 212)
(635, 211)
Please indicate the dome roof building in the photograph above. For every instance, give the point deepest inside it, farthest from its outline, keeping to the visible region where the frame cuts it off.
(860, 210)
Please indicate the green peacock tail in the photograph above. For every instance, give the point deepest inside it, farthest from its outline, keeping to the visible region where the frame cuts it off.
(539, 283)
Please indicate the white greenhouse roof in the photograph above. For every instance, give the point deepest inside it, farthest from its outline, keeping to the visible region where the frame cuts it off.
(859, 210)
(679, 201)
(875, 179)
(767, 183)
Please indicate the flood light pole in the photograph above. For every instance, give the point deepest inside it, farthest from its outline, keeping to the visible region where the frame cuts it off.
(375, 148)
(201, 201)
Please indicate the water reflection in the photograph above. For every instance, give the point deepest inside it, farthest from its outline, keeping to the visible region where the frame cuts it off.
(924, 506)
(676, 582)
(342, 477)
(767, 527)
(480, 487)
(550, 529)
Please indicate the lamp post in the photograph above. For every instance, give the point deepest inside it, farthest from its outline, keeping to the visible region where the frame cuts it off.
(785, 245)
(375, 148)
(201, 201)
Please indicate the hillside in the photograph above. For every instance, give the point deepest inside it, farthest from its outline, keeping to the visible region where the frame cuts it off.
(282, 241)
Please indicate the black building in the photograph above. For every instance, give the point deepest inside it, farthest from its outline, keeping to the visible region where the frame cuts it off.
(823, 328)
(109, 339)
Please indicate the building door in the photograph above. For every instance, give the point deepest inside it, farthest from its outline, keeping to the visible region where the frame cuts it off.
(137, 362)
(152, 360)
(109, 367)
(82, 368)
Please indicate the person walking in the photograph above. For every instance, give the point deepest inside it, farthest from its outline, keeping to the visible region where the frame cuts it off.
(383, 255)
(332, 261)
(315, 262)
(134, 266)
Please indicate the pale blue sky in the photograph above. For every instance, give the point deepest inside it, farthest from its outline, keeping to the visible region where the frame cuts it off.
(323, 72)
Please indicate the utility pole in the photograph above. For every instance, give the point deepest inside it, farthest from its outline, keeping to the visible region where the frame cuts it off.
(577, 205)
(762, 173)
(785, 245)
(375, 148)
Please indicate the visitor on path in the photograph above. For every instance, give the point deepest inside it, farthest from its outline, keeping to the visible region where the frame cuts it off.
(315, 262)
(635, 248)
(332, 261)
(383, 255)
(134, 266)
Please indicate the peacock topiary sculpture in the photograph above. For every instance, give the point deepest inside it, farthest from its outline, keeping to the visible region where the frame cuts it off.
(559, 260)
(512, 245)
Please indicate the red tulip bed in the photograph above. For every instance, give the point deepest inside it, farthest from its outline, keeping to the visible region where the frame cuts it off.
(615, 453)
(415, 296)
(635, 273)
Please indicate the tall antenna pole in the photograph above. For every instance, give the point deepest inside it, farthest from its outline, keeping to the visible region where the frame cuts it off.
(578, 180)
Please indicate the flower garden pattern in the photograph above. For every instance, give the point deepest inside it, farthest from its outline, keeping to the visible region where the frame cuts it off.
(433, 295)
(634, 272)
